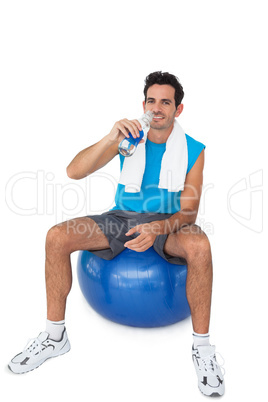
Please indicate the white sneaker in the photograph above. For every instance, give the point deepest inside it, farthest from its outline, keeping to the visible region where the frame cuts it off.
(39, 350)
(210, 377)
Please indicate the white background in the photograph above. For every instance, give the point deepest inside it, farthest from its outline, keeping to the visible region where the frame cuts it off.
(68, 71)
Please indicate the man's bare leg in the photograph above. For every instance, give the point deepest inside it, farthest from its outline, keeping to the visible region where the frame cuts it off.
(192, 244)
(62, 240)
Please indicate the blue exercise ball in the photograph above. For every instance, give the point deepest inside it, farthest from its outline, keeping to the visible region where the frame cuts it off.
(135, 289)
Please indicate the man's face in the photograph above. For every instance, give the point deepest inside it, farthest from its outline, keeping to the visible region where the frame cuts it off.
(161, 101)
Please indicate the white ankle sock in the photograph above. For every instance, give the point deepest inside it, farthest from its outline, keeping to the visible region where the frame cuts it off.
(55, 329)
(201, 339)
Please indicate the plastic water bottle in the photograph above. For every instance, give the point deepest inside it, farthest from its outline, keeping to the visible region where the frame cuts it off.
(128, 146)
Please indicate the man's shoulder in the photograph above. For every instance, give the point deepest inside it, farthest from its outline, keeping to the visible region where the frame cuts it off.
(192, 142)
(194, 149)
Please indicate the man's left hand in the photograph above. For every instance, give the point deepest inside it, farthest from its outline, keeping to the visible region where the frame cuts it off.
(148, 233)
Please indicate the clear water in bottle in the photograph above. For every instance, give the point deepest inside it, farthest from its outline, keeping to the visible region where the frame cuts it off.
(128, 146)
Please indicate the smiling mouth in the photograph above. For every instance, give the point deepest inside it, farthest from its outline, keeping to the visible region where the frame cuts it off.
(157, 118)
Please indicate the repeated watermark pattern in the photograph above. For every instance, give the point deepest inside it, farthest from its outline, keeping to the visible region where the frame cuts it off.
(51, 198)
(245, 201)
(244, 198)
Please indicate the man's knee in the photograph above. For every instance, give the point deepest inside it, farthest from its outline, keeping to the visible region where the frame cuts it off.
(195, 242)
(76, 234)
(57, 238)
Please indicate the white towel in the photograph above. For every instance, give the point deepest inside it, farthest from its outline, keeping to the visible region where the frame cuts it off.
(173, 166)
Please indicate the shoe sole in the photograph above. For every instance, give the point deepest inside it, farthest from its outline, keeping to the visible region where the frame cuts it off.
(42, 362)
(213, 395)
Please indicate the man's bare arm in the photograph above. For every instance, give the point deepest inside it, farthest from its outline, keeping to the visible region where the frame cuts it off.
(98, 155)
(190, 199)
(92, 158)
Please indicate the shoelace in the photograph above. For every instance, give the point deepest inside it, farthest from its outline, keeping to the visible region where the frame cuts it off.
(33, 345)
(210, 361)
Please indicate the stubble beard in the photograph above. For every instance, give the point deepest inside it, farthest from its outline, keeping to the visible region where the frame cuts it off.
(167, 124)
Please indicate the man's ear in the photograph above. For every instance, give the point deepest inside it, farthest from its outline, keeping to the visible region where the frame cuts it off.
(179, 110)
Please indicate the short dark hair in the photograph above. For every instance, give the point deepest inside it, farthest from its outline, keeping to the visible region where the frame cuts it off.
(164, 79)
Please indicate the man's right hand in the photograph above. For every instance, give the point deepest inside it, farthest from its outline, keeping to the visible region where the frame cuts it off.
(122, 128)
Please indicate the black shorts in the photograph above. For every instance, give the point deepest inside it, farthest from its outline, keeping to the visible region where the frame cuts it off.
(114, 224)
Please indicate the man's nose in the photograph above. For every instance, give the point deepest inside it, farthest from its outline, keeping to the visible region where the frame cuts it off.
(157, 108)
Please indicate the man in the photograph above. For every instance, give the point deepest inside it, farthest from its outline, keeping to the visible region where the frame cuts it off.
(155, 216)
